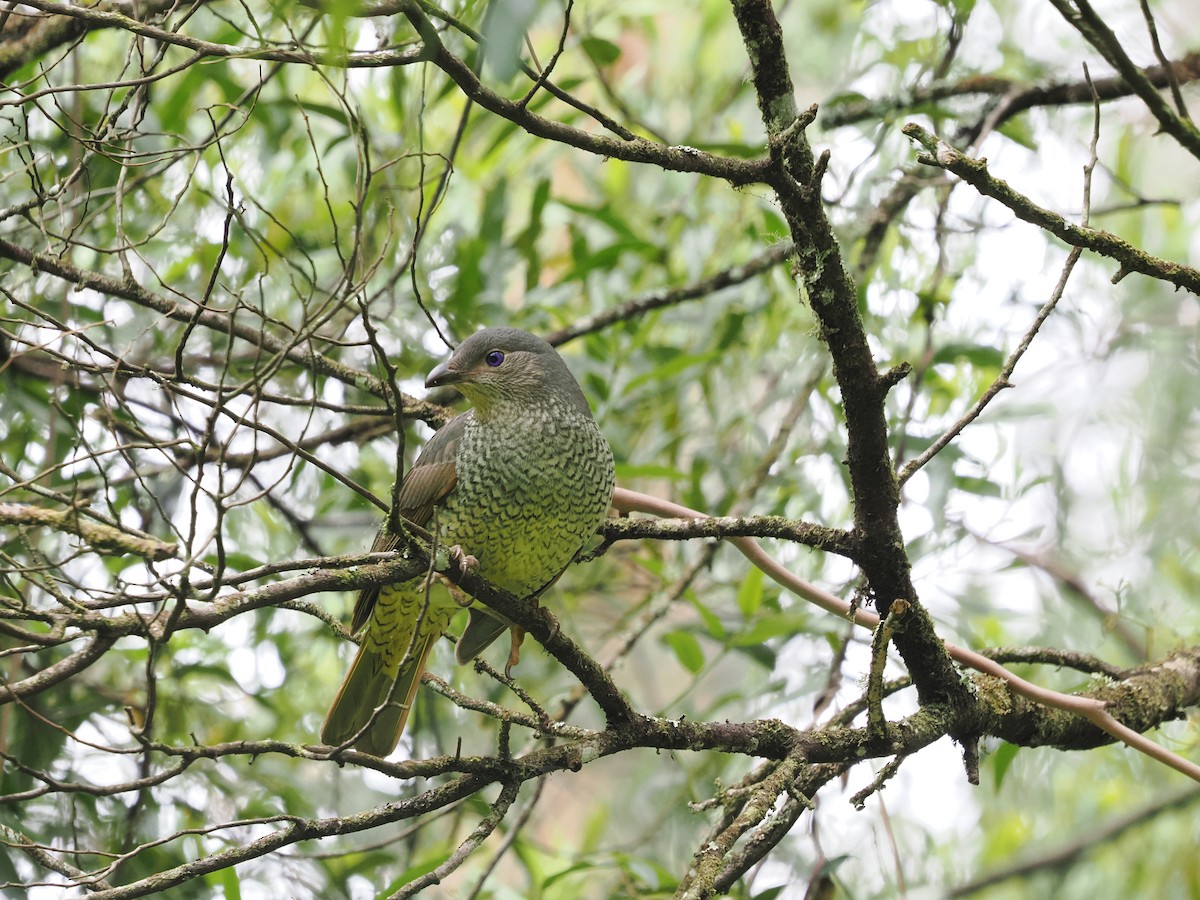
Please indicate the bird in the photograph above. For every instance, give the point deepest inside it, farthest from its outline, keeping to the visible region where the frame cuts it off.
(516, 485)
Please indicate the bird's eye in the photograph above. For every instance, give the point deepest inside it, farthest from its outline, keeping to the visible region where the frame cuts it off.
(494, 358)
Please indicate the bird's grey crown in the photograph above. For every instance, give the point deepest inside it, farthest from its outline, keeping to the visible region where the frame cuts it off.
(532, 372)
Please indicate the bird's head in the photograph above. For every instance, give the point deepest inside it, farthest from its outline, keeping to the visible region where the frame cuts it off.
(500, 365)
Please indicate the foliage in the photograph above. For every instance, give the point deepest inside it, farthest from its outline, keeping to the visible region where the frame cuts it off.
(235, 238)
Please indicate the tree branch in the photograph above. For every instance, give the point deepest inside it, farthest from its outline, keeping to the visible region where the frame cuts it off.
(820, 537)
(975, 173)
(1017, 97)
(1084, 19)
(795, 176)
(1089, 708)
(96, 17)
(769, 258)
(102, 538)
(639, 150)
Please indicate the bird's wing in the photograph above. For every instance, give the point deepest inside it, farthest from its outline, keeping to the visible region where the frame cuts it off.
(432, 476)
(486, 625)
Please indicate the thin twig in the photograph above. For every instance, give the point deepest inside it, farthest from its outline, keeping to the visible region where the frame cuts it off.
(487, 825)
(1091, 709)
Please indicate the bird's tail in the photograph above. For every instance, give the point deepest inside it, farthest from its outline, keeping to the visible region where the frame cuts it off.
(367, 699)
(481, 630)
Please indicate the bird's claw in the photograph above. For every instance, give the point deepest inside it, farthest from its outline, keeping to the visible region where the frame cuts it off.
(466, 563)
(517, 633)
(457, 594)
(465, 560)
(550, 621)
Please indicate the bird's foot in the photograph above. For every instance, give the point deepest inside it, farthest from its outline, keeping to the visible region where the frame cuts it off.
(467, 563)
(457, 594)
(465, 560)
(517, 633)
(550, 620)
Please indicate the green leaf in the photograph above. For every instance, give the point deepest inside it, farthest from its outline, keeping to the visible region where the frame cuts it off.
(1018, 130)
(843, 98)
(1001, 760)
(762, 655)
(573, 869)
(785, 624)
(679, 364)
(687, 649)
(980, 486)
(750, 594)
(601, 52)
(504, 29)
(711, 622)
(424, 867)
(626, 472)
(526, 241)
(231, 885)
(236, 561)
(982, 355)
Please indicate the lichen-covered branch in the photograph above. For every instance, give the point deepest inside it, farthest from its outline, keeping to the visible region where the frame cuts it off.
(1084, 18)
(975, 173)
(795, 176)
(1017, 96)
(107, 539)
(821, 537)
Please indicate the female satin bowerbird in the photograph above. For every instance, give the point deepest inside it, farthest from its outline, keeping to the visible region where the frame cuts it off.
(519, 483)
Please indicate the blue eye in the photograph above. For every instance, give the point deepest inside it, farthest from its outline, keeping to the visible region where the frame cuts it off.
(494, 358)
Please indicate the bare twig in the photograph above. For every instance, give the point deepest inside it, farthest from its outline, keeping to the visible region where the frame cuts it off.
(975, 173)
(772, 256)
(499, 808)
(1093, 710)
(1083, 17)
(1016, 97)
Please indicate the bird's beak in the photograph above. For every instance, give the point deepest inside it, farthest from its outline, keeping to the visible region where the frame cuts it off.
(443, 374)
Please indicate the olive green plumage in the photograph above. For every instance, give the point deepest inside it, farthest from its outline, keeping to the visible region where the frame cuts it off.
(520, 482)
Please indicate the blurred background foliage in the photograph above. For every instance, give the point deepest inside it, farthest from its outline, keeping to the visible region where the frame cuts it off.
(314, 203)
